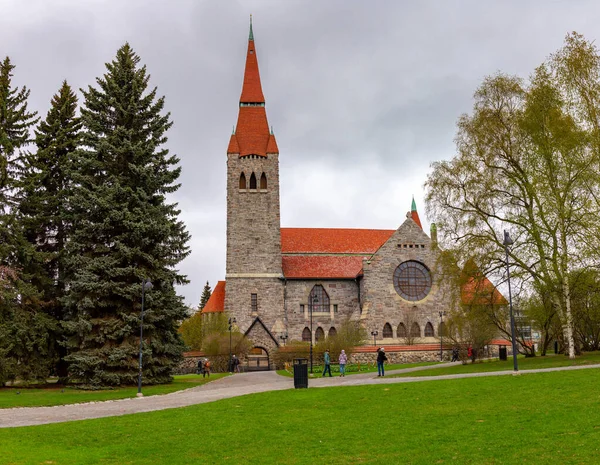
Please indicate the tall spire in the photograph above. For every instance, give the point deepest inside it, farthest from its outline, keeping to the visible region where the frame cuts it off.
(413, 213)
(252, 135)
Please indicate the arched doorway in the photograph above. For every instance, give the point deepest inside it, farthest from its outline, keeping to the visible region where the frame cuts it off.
(258, 360)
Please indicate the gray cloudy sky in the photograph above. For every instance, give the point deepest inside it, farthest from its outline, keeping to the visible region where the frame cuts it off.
(363, 96)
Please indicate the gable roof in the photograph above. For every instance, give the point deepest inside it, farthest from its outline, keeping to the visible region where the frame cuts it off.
(333, 240)
(321, 267)
(216, 302)
(258, 321)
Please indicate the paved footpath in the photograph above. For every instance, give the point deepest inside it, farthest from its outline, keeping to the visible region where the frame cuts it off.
(230, 386)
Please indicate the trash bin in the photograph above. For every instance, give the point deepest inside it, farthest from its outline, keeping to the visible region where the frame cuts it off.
(502, 353)
(300, 373)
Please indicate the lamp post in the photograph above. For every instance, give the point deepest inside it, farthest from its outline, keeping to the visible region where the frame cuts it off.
(442, 315)
(508, 241)
(283, 337)
(374, 334)
(312, 303)
(232, 321)
(146, 286)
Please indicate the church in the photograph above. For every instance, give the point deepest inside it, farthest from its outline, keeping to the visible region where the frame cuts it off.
(286, 284)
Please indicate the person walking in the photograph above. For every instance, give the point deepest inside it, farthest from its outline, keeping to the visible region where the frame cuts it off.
(206, 368)
(236, 364)
(200, 369)
(380, 359)
(343, 360)
(327, 361)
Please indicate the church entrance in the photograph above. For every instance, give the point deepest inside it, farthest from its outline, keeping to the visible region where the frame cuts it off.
(258, 360)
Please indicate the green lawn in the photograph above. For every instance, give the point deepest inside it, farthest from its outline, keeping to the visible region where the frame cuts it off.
(352, 369)
(48, 396)
(549, 361)
(546, 418)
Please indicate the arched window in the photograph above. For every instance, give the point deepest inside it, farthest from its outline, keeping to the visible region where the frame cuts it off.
(415, 330)
(263, 181)
(332, 332)
(306, 335)
(428, 330)
(242, 181)
(319, 334)
(252, 181)
(401, 332)
(387, 331)
(319, 299)
(442, 329)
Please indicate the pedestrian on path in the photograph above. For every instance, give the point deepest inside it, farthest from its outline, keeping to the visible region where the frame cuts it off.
(206, 368)
(236, 364)
(380, 359)
(343, 360)
(327, 361)
(200, 369)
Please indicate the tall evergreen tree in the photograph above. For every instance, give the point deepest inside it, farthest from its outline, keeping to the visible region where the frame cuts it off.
(25, 349)
(42, 202)
(205, 295)
(124, 230)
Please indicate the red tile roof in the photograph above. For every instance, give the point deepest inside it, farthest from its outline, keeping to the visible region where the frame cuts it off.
(216, 303)
(251, 89)
(272, 145)
(252, 131)
(480, 291)
(415, 216)
(321, 267)
(333, 241)
(234, 147)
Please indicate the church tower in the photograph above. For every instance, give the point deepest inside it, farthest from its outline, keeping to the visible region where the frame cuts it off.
(253, 272)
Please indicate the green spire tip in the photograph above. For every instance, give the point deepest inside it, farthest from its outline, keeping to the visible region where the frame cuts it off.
(251, 36)
(413, 207)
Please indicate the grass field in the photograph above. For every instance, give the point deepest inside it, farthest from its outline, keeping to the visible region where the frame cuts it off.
(549, 361)
(48, 396)
(546, 418)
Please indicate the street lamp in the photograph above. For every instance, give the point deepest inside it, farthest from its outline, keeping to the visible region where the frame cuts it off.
(312, 303)
(374, 334)
(508, 241)
(442, 315)
(146, 286)
(232, 321)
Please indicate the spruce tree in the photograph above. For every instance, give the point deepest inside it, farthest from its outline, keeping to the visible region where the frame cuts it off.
(124, 231)
(205, 295)
(43, 196)
(25, 348)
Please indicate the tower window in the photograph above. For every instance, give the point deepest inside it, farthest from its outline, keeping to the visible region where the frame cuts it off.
(263, 181)
(254, 303)
(242, 181)
(387, 331)
(253, 181)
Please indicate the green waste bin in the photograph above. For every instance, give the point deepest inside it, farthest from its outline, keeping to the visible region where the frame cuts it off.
(300, 373)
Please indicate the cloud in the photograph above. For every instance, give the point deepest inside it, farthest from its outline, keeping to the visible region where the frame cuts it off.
(363, 96)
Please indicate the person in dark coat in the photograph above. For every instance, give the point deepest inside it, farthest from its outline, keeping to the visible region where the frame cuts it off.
(380, 359)
(200, 370)
(327, 361)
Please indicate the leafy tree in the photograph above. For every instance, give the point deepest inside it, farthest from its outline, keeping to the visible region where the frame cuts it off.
(586, 308)
(205, 296)
(528, 161)
(43, 194)
(124, 231)
(191, 331)
(350, 334)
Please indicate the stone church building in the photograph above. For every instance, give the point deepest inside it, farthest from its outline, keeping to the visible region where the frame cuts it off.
(277, 278)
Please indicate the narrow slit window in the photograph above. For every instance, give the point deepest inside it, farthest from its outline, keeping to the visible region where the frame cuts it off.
(252, 181)
(254, 302)
(242, 181)
(263, 181)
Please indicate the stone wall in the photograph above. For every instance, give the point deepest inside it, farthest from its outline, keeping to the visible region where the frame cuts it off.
(381, 303)
(342, 293)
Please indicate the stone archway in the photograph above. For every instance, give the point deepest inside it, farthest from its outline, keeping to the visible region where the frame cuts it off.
(264, 346)
(258, 360)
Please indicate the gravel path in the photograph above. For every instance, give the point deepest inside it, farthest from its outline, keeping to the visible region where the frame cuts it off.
(231, 386)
